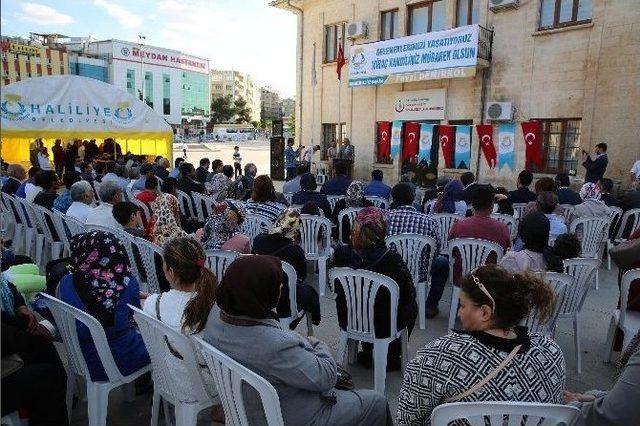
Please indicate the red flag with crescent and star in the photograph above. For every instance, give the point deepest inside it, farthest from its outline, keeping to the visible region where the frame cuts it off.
(340, 61)
(485, 134)
(384, 140)
(532, 132)
(411, 141)
(447, 136)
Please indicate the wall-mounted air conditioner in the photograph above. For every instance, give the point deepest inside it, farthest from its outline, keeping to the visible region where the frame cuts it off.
(496, 5)
(499, 111)
(356, 30)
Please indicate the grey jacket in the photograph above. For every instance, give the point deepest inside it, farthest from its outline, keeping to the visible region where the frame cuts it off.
(299, 372)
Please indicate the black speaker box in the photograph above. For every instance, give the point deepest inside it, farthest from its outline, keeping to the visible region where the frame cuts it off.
(277, 158)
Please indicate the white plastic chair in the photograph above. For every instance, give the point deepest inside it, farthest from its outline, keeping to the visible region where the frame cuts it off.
(379, 202)
(156, 334)
(292, 282)
(518, 210)
(360, 289)
(34, 234)
(583, 271)
(567, 211)
(203, 205)
(63, 231)
(255, 224)
(229, 377)
(129, 242)
(315, 239)
(508, 220)
(627, 321)
(445, 222)
(219, 260)
(186, 204)
(615, 214)
(594, 234)
(74, 225)
(350, 213)
(67, 320)
(560, 283)
(148, 250)
(52, 247)
(413, 248)
(144, 209)
(494, 413)
(629, 217)
(333, 199)
(474, 253)
(11, 206)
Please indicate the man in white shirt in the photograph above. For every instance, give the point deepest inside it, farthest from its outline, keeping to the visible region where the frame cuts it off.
(110, 193)
(635, 171)
(82, 196)
(30, 191)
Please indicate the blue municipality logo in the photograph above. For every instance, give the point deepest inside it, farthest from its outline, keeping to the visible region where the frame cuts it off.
(123, 113)
(125, 51)
(12, 108)
(358, 59)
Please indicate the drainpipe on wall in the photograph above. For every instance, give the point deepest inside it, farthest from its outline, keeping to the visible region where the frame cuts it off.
(299, 53)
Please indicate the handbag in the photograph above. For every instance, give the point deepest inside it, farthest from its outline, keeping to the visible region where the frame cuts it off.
(487, 379)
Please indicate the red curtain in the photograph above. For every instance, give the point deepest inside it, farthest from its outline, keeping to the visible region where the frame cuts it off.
(411, 141)
(485, 134)
(447, 135)
(532, 132)
(384, 140)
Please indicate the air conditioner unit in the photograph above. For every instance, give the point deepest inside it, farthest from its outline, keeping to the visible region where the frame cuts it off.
(503, 4)
(357, 30)
(499, 111)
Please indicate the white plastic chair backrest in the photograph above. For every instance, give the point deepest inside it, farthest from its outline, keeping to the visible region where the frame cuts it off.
(615, 213)
(199, 200)
(288, 196)
(333, 199)
(559, 283)
(229, 377)
(594, 232)
(350, 213)
(155, 335)
(144, 209)
(379, 202)
(474, 253)
(63, 231)
(508, 220)
(29, 213)
(310, 229)
(494, 413)
(75, 226)
(630, 216)
(147, 251)
(186, 204)
(41, 214)
(292, 281)
(10, 207)
(15, 207)
(412, 248)
(583, 271)
(445, 222)
(219, 260)
(128, 241)
(518, 210)
(627, 278)
(255, 224)
(360, 289)
(68, 319)
(103, 228)
(567, 211)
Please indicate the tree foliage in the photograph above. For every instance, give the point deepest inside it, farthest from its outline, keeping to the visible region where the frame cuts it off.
(241, 111)
(222, 110)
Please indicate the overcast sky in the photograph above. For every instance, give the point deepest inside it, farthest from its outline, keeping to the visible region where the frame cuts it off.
(245, 35)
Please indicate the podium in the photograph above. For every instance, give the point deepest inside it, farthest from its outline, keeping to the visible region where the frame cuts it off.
(347, 163)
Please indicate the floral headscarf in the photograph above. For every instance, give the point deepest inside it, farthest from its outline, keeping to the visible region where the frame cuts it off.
(355, 194)
(219, 185)
(101, 272)
(590, 191)
(370, 226)
(223, 224)
(288, 225)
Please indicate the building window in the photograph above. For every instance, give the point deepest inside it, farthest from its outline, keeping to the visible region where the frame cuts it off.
(560, 145)
(332, 34)
(166, 94)
(426, 17)
(330, 133)
(563, 13)
(131, 82)
(467, 12)
(148, 88)
(388, 24)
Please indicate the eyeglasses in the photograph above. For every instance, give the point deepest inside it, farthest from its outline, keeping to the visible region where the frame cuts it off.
(485, 291)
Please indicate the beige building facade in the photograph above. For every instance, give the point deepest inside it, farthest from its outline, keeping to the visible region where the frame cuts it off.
(237, 85)
(570, 64)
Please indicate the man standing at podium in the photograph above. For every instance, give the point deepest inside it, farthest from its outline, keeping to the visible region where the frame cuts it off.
(290, 156)
(346, 153)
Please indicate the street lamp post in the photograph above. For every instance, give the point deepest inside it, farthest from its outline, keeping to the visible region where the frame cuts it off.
(142, 39)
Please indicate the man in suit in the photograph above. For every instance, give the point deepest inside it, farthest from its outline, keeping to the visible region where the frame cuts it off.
(595, 168)
(187, 182)
(523, 194)
(16, 176)
(566, 195)
(203, 171)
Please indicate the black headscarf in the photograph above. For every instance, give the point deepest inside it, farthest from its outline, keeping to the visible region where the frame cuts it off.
(251, 287)
(534, 232)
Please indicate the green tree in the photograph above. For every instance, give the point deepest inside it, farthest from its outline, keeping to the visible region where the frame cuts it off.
(255, 124)
(241, 111)
(222, 110)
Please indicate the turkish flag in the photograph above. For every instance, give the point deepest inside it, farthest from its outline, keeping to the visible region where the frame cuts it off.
(384, 140)
(532, 132)
(447, 135)
(411, 141)
(485, 133)
(340, 61)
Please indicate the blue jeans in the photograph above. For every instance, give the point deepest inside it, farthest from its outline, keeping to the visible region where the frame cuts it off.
(439, 275)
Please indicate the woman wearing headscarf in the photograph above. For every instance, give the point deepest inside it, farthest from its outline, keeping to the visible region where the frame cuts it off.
(309, 193)
(591, 204)
(354, 198)
(301, 369)
(102, 286)
(222, 229)
(536, 256)
(451, 200)
(283, 242)
(368, 251)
